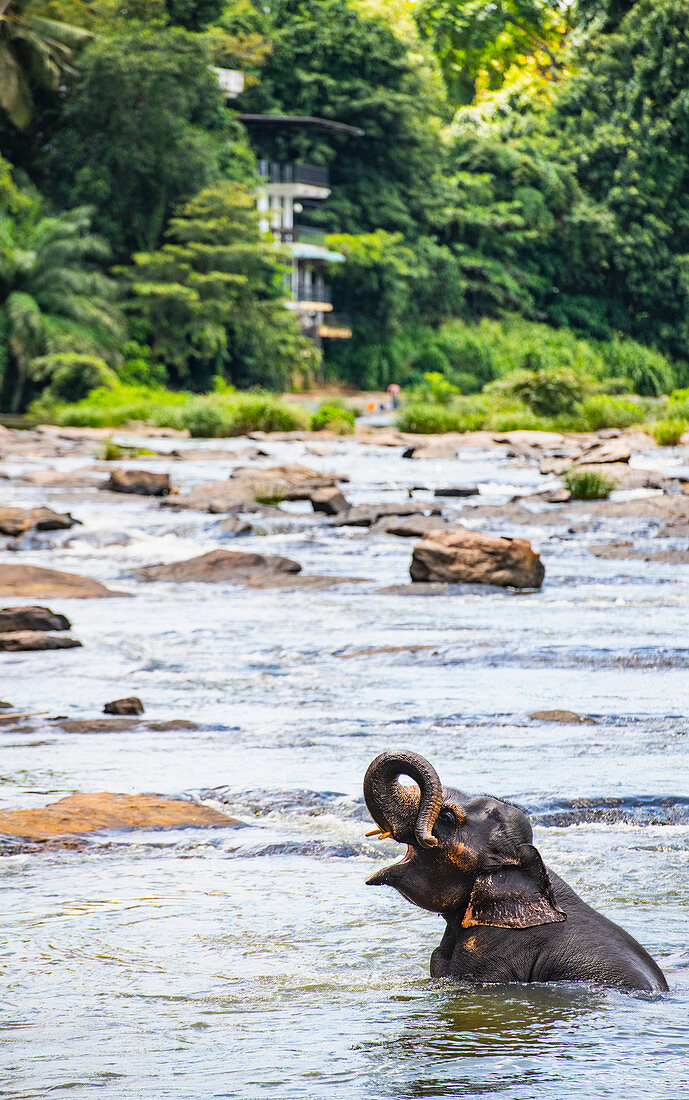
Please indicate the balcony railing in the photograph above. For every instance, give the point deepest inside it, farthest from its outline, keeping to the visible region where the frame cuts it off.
(293, 172)
(310, 293)
(307, 234)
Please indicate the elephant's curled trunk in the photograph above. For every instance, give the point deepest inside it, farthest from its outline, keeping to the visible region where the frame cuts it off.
(402, 809)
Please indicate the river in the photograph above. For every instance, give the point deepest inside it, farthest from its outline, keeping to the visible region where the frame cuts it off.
(254, 962)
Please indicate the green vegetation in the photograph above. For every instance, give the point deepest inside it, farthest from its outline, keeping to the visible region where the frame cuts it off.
(218, 414)
(512, 217)
(334, 416)
(667, 433)
(588, 484)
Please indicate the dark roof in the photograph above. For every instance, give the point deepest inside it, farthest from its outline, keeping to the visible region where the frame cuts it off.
(301, 120)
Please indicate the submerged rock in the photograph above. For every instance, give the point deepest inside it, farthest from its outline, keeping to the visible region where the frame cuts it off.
(120, 725)
(16, 521)
(141, 482)
(32, 580)
(461, 556)
(220, 565)
(365, 515)
(92, 813)
(24, 641)
(329, 501)
(409, 526)
(233, 525)
(563, 717)
(131, 705)
(32, 618)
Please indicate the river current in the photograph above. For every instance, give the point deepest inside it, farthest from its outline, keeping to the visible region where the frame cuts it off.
(254, 962)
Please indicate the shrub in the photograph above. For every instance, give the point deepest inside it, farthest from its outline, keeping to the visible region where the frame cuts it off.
(667, 433)
(434, 387)
(648, 371)
(602, 410)
(430, 360)
(588, 484)
(430, 419)
(335, 416)
(546, 392)
(72, 376)
(678, 405)
(203, 419)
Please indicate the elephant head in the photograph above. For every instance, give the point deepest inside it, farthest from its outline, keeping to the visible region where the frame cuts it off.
(472, 856)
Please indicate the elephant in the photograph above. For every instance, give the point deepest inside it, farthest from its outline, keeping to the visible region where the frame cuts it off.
(508, 918)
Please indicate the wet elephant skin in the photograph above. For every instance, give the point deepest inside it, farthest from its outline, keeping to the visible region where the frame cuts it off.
(508, 918)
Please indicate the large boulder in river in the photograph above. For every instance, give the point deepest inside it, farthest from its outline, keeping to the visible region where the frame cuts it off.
(15, 521)
(220, 565)
(26, 641)
(33, 580)
(131, 705)
(462, 556)
(31, 618)
(90, 813)
(144, 483)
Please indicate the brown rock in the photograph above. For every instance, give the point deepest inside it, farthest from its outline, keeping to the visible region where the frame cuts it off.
(461, 556)
(624, 550)
(130, 705)
(409, 526)
(248, 485)
(456, 492)
(15, 521)
(5, 706)
(220, 565)
(84, 478)
(120, 725)
(92, 813)
(142, 482)
(32, 580)
(32, 618)
(364, 515)
(233, 525)
(564, 717)
(329, 501)
(292, 474)
(24, 641)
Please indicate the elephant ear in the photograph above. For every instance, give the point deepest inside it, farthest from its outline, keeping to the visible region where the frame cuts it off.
(515, 895)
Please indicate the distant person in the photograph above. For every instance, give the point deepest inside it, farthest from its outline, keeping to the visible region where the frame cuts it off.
(394, 391)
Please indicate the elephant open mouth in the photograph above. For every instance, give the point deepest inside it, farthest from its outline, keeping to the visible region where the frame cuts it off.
(386, 875)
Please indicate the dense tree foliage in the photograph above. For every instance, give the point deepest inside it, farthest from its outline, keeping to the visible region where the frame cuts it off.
(209, 301)
(54, 298)
(145, 128)
(523, 163)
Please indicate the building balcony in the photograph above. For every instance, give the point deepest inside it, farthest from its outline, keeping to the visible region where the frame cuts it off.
(304, 234)
(293, 172)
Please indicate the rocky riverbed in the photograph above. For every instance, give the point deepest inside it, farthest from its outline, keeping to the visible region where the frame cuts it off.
(256, 595)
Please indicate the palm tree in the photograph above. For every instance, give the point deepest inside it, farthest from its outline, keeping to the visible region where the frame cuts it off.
(53, 297)
(33, 50)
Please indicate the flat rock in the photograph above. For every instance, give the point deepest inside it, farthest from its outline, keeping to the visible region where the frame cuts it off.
(373, 651)
(220, 565)
(32, 618)
(85, 478)
(16, 521)
(624, 550)
(408, 526)
(364, 515)
(436, 450)
(140, 482)
(94, 813)
(33, 580)
(563, 717)
(24, 641)
(120, 725)
(247, 485)
(461, 556)
(130, 705)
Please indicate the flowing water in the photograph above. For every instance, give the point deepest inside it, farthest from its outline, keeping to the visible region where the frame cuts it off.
(253, 961)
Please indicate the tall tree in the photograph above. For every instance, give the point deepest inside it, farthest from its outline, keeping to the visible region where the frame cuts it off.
(53, 296)
(145, 128)
(34, 52)
(210, 300)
